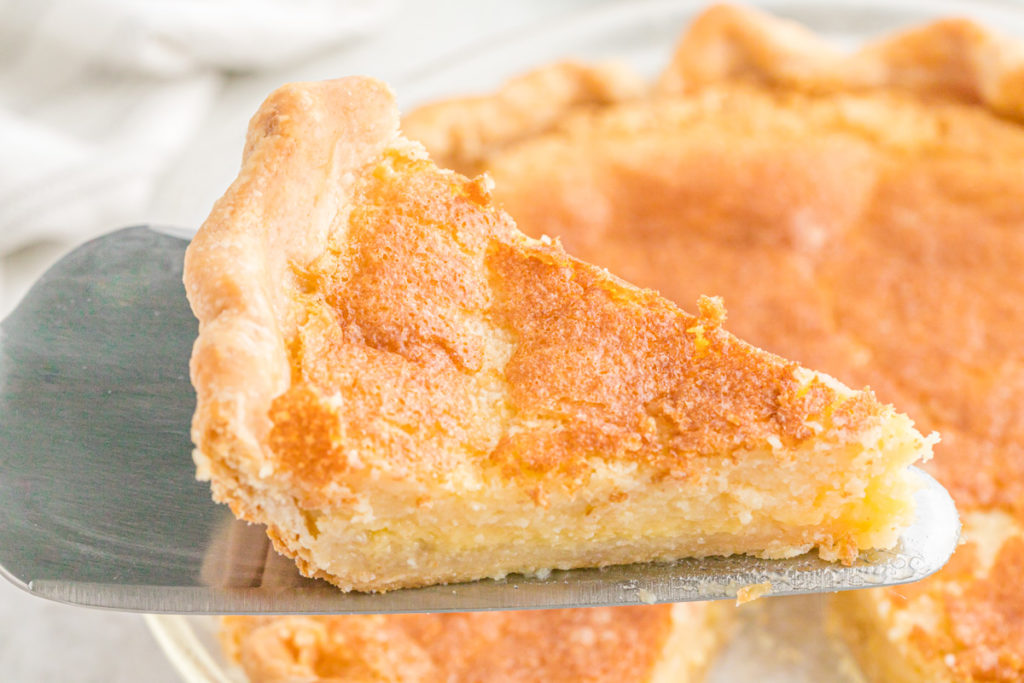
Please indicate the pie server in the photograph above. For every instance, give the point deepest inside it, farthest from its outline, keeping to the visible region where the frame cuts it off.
(99, 505)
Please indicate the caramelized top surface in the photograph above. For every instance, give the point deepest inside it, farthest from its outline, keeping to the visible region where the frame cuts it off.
(602, 644)
(437, 339)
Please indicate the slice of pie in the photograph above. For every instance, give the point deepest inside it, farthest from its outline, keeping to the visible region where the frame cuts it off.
(406, 390)
(648, 644)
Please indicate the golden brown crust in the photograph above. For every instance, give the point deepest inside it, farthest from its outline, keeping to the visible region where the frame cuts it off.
(460, 133)
(953, 59)
(601, 644)
(236, 263)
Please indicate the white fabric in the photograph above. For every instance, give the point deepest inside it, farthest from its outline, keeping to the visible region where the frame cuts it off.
(98, 96)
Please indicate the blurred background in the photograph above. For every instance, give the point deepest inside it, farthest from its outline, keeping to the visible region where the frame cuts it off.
(121, 112)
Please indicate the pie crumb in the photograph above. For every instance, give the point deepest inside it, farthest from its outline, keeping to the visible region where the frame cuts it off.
(752, 592)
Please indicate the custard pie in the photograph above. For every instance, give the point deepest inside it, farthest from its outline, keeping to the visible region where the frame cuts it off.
(407, 390)
(860, 212)
(648, 644)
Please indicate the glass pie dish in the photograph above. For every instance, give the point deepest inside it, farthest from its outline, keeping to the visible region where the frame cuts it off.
(641, 35)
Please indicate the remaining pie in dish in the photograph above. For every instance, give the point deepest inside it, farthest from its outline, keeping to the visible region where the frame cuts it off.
(649, 644)
(406, 390)
(860, 212)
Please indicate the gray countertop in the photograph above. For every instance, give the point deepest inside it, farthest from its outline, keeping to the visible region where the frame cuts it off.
(46, 641)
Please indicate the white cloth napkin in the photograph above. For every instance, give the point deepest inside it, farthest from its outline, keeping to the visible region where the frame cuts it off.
(97, 96)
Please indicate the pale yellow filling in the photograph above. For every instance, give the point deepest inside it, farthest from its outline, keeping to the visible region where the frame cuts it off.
(765, 502)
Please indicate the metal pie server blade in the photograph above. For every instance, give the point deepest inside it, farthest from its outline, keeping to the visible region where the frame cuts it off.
(99, 506)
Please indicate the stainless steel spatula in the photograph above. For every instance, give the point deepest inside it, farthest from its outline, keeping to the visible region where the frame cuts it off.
(99, 507)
